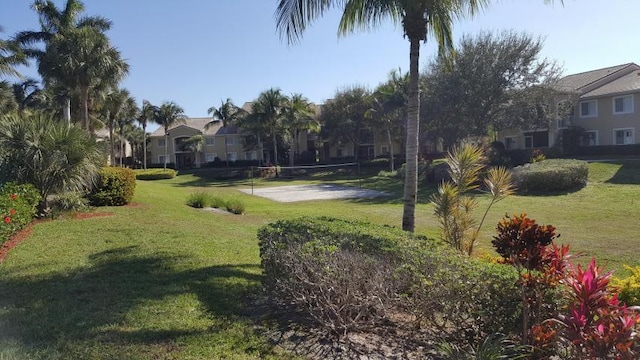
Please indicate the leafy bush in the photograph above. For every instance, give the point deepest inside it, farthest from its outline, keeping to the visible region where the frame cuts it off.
(115, 187)
(463, 300)
(18, 204)
(550, 176)
(350, 274)
(629, 288)
(155, 174)
(235, 206)
(199, 199)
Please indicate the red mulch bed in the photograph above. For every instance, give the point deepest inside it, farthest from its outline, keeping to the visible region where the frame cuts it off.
(23, 234)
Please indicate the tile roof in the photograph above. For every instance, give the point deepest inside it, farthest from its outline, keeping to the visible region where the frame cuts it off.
(199, 124)
(626, 83)
(575, 82)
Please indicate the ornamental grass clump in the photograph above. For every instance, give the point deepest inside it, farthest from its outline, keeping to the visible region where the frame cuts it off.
(199, 199)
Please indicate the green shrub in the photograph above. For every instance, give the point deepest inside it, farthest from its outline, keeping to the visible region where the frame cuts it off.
(235, 206)
(629, 288)
(115, 187)
(155, 174)
(18, 206)
(199, 199)
(348, 274)
(550, 176)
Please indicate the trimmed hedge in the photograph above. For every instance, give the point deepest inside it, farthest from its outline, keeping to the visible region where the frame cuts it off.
(348, 274)
(155, 174)
(18, 206)
(549, 176)
(115, 187)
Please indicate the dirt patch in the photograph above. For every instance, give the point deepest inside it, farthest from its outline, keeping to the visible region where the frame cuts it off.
(89, 215)
(217, 210)
(133, 205)
(17, 238)
(292, 193)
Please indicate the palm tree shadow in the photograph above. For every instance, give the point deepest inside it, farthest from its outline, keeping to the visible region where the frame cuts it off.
(78, 305)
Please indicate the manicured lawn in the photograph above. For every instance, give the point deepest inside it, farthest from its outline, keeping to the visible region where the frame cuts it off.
(164, 281)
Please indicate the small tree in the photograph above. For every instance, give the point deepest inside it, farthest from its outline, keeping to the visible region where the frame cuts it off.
(454, 206)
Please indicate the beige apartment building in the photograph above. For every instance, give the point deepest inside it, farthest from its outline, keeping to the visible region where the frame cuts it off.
(603, 103)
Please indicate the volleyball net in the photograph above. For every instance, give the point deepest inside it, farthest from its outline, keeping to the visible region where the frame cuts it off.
(351, 168)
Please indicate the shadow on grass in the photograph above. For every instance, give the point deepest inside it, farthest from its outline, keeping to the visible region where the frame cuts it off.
(77, 305)
(627, 174)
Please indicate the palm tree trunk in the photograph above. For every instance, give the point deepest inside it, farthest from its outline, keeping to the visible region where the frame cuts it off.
(391, 156)
(275, 148)
(144, 146)
(413, 128)
(112, 145)
(84, 106)
(166, 145)
(123, 149)
(66, 109)
(261, 156)
(226, 150)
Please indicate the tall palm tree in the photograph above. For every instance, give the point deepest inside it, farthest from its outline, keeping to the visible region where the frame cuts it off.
(115, 108)
(418, 18)
(56, 24)
(10, 56)
(83, 59)
(147, 114)
(135, 136)
(229, 114)
(268, 107)
(127, 118)
(298, 115)
(389, 108)
(168, 115)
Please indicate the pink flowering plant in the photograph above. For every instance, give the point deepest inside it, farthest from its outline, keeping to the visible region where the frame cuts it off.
(17, 208)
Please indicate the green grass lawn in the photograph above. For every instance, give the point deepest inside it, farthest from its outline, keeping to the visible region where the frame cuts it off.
(164, 281)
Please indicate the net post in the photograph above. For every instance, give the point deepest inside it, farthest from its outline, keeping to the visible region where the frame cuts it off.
(359, 176)
(251, 170)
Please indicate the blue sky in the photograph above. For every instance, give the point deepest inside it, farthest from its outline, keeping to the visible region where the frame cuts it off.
(199, 52)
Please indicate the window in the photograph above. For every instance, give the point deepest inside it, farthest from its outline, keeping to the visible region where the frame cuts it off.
(232, 156)
(623, 105)
(588, 108)
(339, 152)
(209, 140)
(231, 140)
(510, 142)
(536, 139)
(160, 159)
(563, 123)
(210, 157)
(161, 142)
(590, 138)
(250, 155)
(623, 136)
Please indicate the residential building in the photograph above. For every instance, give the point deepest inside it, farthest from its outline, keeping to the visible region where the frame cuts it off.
(602, 102)
(172, 145)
